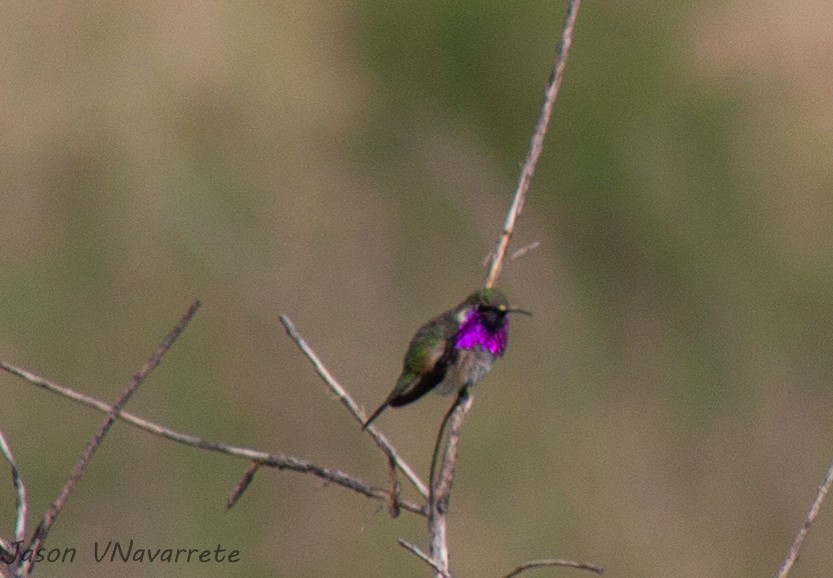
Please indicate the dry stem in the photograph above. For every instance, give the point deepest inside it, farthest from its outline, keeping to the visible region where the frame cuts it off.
(352, 406)
(441, 486)
(45, 525)
(812, 513)
(21, 505)
(413, 549)
(536, 145)
(554, 562)
(269, 459)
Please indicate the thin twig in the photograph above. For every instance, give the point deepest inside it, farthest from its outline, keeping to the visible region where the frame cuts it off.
(441, 486)
(554, 562)
(351, 405)
(243, 484)
(394, 488)
(21, 505)
(413, 549)
(536, 145)
(518, 253)
(812, 513)
(273, 460)
(439, 444)
(80, 467)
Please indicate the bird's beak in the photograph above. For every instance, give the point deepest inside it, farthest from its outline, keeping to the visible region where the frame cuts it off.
(524, 311)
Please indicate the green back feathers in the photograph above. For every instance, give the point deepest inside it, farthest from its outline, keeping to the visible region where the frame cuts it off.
(426, 348)
(487, 296)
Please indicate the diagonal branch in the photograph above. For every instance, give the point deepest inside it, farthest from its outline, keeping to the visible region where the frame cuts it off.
(352, 406)
(812, 513)
(536, 145)
(243, 484)
(75, 476)
(413, 549)
(21, 505)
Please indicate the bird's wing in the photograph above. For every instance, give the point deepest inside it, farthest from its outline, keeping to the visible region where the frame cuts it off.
(431, 352)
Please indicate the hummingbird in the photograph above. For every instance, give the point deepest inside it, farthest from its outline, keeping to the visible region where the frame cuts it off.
(454, 350)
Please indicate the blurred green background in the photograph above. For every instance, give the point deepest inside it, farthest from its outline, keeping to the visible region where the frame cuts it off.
(666, 412)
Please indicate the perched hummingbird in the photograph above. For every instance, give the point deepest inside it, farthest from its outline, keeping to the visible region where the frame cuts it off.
(454, 350)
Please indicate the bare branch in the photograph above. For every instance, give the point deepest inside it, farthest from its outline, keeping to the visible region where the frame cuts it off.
(152, 363)
(243, 484)
(394, 489)
(518, 253)
(439, 490)
(554, 562)
(21, 505)
(352, 406)
(535, 146)
(441, 486)
(274, 460)
(413, 549)
(813, 512)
